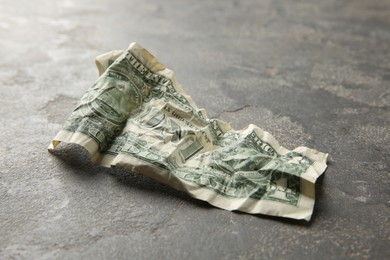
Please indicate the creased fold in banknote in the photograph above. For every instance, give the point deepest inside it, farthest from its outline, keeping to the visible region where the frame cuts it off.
(137, 116)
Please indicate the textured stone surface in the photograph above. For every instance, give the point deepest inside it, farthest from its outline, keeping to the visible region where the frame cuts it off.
(314, 73)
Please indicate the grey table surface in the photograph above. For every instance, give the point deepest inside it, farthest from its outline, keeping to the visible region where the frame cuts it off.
(313, 73)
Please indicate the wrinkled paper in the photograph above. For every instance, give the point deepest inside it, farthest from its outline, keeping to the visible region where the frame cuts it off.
(137, 116)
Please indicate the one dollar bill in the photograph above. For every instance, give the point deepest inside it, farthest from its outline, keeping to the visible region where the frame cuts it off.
(137, 116)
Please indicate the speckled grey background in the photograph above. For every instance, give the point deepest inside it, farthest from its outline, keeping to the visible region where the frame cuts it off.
(313, 73)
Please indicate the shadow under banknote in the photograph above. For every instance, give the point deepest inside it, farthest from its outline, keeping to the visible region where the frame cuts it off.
(77, 161)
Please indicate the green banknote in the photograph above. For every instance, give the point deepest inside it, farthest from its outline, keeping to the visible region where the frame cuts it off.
(137, 116)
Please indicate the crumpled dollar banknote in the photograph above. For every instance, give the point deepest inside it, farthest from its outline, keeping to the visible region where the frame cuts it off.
(137, 116)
